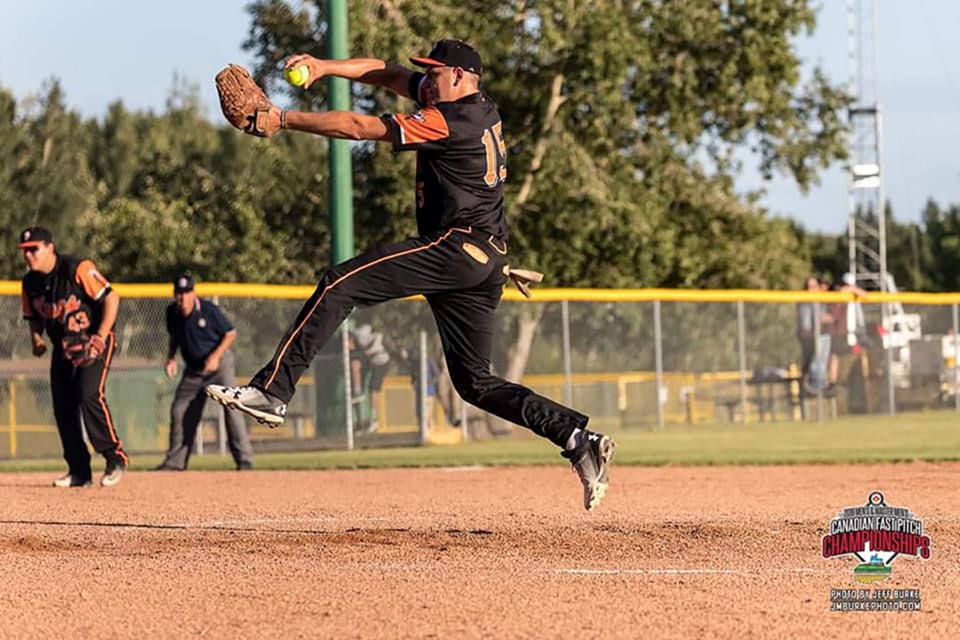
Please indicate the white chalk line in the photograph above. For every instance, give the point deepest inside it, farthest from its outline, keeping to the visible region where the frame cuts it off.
(673, 571)
(294, 520)
(227, 524)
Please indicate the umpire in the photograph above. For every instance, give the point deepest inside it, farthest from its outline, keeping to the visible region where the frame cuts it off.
(69, 299)
(203, 335)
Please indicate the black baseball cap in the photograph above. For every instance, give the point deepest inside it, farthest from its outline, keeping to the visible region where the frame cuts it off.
(452, 53)
(34, 237)
(183, 283)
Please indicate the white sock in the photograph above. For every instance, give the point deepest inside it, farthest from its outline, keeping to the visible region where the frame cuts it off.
(573, 440)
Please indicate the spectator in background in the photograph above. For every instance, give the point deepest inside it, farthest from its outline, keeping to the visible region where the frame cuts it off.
(838, 338)
(805, 327)
(370, 343)
(814, 349)
(856, 322)
(359, 368)
(203, 335)
(847, 325)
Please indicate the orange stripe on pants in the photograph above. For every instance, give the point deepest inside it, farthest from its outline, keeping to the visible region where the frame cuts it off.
(279, 358)
(103, 402)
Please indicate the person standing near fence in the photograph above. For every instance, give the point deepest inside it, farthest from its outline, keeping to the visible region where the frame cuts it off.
(377, 358)
(71, 302)
(458, 261)
(202, 334)
(814, 348)
(847, 325)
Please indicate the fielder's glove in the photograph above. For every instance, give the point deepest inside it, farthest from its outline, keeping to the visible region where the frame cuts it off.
(81, 349)
(244, 104)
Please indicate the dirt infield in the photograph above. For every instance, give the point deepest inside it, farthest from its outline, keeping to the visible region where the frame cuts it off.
(674, 552)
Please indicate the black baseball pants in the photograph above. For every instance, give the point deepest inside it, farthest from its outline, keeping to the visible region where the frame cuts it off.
(461, 274)
(80, 392)
(187, 411)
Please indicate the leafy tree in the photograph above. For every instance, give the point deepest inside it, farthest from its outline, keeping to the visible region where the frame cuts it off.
(635, 109)
(621, 120)
(940, 246)
(45, 177)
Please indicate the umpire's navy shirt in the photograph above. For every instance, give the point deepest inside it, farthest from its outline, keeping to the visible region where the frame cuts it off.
(199, 333)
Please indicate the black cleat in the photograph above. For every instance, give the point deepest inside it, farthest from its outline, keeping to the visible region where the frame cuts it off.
(590, 459)
(252, 401)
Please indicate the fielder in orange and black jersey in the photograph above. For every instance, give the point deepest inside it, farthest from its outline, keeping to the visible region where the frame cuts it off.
(461, 161)
(76, 289)
(74, 284)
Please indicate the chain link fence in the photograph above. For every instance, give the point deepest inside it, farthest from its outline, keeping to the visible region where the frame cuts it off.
(641, 363)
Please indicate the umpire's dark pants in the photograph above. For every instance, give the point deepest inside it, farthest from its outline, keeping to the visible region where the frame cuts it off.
(460, 271)
(80, 392)
(187, 411)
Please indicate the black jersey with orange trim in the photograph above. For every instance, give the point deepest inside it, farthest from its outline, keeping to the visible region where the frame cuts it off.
(73, 284)
(461, 161)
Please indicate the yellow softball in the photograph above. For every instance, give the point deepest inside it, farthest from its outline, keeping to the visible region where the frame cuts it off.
(297, 76)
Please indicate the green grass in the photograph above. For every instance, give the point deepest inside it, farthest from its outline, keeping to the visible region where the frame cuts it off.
(925, 436)
(869, 568)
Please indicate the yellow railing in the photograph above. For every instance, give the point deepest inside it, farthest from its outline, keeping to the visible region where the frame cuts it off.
(298, 292)
(552, 383)
(676, 395)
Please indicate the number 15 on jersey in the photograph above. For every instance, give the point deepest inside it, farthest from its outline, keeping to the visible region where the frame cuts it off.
(496, 155)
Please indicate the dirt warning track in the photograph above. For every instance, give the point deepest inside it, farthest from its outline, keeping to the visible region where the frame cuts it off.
(673, 552)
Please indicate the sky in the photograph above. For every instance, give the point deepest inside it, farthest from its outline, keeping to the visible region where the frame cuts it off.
(102, 50)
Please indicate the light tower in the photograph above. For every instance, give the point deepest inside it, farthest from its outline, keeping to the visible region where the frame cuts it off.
(866, 226)
(866, 230)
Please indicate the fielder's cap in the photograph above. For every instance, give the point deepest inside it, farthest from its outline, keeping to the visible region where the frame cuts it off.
(452, 53)
(849, 279)
(183, 283)
(34, 237)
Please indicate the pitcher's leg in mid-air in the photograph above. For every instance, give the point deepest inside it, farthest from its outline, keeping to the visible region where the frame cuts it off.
(463, 294)
(465, 322)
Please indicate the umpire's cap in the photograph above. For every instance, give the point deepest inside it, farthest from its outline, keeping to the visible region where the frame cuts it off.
(452, 53)
(183, 283)
(34, 237)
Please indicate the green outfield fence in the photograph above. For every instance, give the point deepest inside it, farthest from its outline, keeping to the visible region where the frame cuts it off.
(643, 358)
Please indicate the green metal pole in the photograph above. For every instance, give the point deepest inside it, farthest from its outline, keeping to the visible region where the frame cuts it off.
(341, 172)
(333, 414)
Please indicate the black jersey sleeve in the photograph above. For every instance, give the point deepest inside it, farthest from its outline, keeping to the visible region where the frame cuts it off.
(26, 306)
(418, 88)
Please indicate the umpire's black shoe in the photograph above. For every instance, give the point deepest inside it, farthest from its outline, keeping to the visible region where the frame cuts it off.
(71, 480)
(590, 459)
(252, 401)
